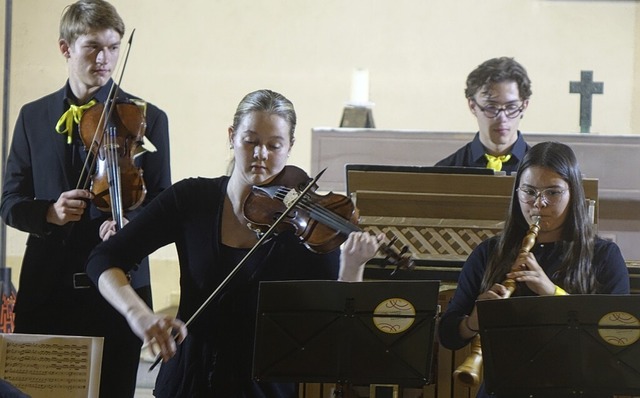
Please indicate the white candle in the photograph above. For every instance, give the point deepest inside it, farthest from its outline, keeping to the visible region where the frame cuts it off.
(360, 87)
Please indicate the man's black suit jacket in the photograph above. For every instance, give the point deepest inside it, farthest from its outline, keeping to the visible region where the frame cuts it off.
(38, 171)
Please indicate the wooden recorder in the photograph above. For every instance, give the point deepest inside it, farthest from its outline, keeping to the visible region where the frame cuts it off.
(468, 373)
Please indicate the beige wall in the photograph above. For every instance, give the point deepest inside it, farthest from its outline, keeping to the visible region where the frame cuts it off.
(197, 58)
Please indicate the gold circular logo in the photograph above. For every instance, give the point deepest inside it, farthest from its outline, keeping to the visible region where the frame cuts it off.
(619, 336)
(395, 315)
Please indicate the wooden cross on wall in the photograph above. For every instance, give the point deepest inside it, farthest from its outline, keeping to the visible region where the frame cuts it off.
(586, 87)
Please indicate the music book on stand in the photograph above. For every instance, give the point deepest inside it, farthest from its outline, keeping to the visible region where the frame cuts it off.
(341, 332)
(52, 366)
(559, 346)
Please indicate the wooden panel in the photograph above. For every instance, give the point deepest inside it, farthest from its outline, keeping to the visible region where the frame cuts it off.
(428, 182)
(432, 205)
(434, 195)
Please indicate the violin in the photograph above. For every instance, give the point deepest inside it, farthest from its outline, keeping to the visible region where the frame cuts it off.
(113, 141)
(112, 135)
(322, 222)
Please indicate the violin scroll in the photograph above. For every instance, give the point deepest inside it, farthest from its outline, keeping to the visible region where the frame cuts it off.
(401, 259)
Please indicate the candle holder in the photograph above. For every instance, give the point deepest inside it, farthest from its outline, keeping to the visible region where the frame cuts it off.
(357, 112)
(357, 116)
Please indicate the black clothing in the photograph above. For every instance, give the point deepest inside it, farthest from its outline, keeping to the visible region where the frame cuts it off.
(41, 165)
(216, 357)
(608, 264)
(8, 390)
(472, 155)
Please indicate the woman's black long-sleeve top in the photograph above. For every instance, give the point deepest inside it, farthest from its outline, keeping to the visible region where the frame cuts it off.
(215, 359)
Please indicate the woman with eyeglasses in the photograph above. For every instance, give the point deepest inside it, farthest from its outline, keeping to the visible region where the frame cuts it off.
(497, 94)
(568, 257)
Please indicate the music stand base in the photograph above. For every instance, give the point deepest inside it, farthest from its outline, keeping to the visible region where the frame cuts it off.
(384, 391)
(344, 390)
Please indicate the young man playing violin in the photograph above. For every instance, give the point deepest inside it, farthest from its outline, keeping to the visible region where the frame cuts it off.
(43, 196)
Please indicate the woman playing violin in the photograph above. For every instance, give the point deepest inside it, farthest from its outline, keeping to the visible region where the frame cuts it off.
(204, 218)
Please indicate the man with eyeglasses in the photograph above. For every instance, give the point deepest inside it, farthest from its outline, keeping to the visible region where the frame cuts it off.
(498, 94)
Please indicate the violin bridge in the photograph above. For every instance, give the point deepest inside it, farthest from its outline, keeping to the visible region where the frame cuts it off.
(290, 197)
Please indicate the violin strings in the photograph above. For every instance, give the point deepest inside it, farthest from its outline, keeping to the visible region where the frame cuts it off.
(327, 217)
(336, 222)
(114, 177)
(322, 214)
(331, 218)
(108, 159)
(118, 184)
(91, 158)
(95, 142)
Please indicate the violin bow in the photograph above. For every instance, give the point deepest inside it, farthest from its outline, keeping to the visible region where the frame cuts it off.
(255, 247)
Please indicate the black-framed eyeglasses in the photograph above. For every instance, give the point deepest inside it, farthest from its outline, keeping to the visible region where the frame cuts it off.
(492, 111)
(549, 196)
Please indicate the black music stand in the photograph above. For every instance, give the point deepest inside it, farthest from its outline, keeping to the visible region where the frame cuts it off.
(346, 333)
(560, 346)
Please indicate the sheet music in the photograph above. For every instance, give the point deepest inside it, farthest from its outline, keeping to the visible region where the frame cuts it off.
(52, 366)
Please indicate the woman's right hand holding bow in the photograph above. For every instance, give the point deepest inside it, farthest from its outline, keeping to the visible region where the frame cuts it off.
(159, 332)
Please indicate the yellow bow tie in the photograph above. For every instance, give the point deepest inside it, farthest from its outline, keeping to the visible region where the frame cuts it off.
(495, 162)
(73, 114)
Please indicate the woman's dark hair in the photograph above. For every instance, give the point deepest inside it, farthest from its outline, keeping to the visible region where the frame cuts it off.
(575, 274)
